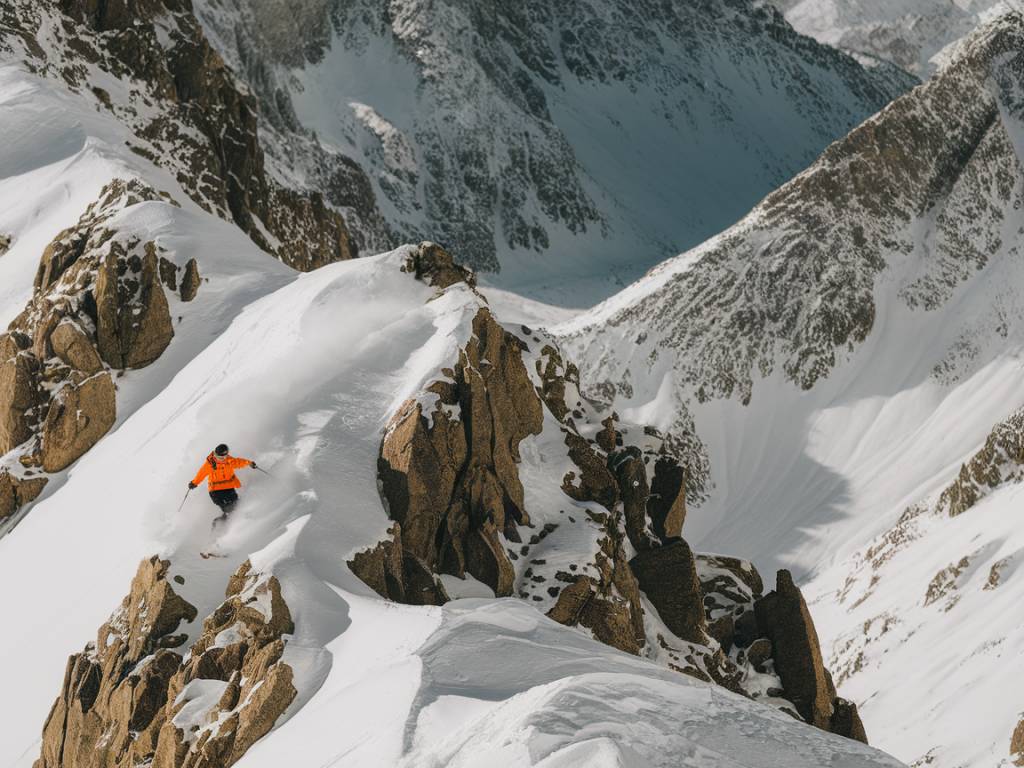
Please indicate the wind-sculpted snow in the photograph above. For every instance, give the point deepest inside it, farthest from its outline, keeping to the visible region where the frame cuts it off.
(539, 697)
(551, 141)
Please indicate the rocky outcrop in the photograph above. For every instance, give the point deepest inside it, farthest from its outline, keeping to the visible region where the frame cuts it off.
(394, 572)
(1000, 460)
(74, 347)
(607, 601)
(782, 616)
(198, 123)
(448, 472)
(433, 265)
(133, 322)
(99, 302)
(16, 491)
(668, 576)
(79, 415)
(19, 393)
(1017, 744)
(132, 698)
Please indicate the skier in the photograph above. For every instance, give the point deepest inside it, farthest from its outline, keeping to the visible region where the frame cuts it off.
(219, 468)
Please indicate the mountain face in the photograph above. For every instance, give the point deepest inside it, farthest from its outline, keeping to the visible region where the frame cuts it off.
(855, 339)
(546, 141)
(916, 35)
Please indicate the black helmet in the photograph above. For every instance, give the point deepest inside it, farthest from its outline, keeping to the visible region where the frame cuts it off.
(221, 450)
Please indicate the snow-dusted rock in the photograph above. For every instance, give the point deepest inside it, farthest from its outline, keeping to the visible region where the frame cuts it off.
(490, 127)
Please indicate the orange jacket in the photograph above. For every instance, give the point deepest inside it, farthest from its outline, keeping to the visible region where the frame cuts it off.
(221, 472)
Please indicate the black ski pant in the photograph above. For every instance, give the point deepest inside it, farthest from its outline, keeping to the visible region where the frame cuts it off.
(226, 500)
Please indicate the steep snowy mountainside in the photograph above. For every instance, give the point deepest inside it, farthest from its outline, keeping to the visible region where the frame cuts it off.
(115, 157)
(946, 577)
(149, 67)
(913, 34)
(553, 142)
(305, 379)
(837, 356)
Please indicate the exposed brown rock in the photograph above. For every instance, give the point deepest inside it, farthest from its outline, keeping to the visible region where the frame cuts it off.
(627, 465)
(759, 652)
(74, 347)
(433, 265)
(190, 281)
(15, 492)
(591, 481)
(79, 415)
(120, 696)
(668, 576)
(168, 274)
(608, 438)
(559, 381)
(784, 618)
(453, 484)
(846, 721)
(133, 324)
(12, 343)
(667, 503)
(18, 393)
(397, 574)
(1017, 744)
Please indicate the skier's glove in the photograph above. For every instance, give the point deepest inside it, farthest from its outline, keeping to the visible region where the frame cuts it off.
(252, 464)
(191, 486)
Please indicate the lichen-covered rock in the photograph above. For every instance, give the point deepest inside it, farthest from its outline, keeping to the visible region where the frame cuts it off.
(121, 699)
(79, 415)
(668, 576)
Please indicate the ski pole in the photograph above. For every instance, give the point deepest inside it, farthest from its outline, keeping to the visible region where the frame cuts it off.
(185, 499)
(261, 469)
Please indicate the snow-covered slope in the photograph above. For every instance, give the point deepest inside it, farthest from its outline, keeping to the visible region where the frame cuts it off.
(304, 380)
(573, 145)
(916, 35)
(837, 355)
